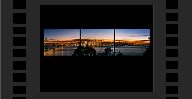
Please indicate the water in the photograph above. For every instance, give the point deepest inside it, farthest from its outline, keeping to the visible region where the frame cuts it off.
(131, 50)
(125, 50)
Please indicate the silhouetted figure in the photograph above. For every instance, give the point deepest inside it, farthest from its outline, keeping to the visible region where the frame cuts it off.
(148, 51)
(90, 51)
(107, 51)
(79, 51)
(84, 51)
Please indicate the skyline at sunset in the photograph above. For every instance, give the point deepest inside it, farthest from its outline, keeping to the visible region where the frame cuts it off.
(97, 34)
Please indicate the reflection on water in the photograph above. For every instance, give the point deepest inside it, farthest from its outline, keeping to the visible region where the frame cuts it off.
(131, 50)
(125, 50)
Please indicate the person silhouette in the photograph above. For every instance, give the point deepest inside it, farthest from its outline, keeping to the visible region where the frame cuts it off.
(90, 51)
(79, 51)
(107, 51)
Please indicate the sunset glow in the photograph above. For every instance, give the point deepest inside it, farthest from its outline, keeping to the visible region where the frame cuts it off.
(97, 34)
(66, 42)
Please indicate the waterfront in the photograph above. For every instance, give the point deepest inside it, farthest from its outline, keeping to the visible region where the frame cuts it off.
(125, 50)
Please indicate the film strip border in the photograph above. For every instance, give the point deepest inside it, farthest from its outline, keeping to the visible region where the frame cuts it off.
(172, 87)
(19, 49)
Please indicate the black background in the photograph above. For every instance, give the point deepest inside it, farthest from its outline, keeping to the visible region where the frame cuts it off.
(96, 74)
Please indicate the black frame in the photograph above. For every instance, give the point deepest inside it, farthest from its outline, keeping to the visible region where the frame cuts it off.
(145, 22)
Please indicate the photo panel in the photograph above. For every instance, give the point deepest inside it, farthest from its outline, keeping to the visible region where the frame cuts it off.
(101, 41)
(132, 42)
(61, 42)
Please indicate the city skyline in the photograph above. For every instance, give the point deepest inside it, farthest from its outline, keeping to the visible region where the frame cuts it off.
(100, 42)
(97, 34)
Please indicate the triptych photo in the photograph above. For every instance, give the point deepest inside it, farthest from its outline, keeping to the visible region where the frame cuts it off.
(96, 42)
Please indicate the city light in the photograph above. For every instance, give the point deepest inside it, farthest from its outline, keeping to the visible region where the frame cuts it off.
(71, 39)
